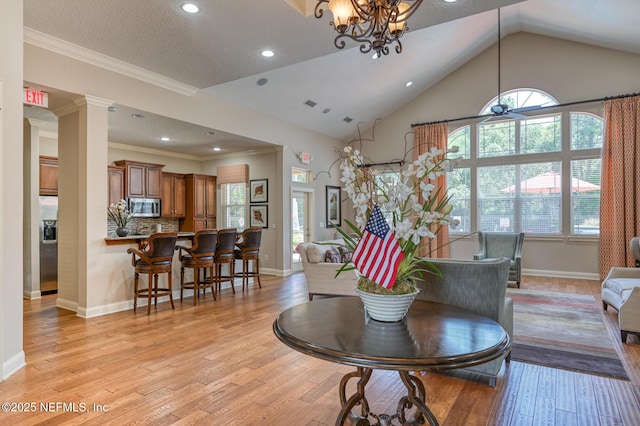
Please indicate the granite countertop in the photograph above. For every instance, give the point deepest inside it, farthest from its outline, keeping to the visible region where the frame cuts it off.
(135, 237)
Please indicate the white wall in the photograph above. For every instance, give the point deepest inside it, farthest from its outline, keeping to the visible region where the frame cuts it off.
(568, 71)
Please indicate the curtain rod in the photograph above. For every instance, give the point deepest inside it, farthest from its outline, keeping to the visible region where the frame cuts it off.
(629, 95)
(390, 163)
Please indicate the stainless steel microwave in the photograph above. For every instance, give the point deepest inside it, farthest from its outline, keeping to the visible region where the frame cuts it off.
(144, 207)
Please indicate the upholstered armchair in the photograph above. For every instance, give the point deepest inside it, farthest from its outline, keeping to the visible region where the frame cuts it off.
(503, 244)
(479, 287)
(621, 289)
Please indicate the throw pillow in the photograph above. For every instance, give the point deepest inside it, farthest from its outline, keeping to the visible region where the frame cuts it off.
(332, 256)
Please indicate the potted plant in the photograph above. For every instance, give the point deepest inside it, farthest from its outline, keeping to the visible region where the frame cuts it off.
(386, 252)
(120, 215)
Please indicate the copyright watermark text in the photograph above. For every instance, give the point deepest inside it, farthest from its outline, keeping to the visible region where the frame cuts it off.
(52, 407)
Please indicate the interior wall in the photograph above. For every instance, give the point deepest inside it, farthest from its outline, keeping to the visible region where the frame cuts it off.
(568, 71)
(12, 356)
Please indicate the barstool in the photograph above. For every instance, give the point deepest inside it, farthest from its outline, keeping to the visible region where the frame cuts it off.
(249, 249)
(224, 254)
(156, 259)
(199, 256)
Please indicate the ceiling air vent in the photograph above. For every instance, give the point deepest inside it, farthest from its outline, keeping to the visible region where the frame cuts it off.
(310, 103)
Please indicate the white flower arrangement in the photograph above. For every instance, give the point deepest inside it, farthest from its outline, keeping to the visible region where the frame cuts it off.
(119, 213)
(409, 216)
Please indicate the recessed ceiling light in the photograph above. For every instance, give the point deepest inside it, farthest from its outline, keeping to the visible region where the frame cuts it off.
(165, 139)
(137, 115)
(262, 81)
(326, 110)
(267, 53)
(211, 132)
(215, 148)
(190, 8)
(409, 83)
(112, 109)
(450, 1)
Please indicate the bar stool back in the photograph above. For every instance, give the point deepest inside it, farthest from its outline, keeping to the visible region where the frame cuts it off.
(248, 249)
(156, 259)
(199, 256)
(224, 254)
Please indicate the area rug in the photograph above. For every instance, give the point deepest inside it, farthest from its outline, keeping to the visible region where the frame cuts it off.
(563, 331)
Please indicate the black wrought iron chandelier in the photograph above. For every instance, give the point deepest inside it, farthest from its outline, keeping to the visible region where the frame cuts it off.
(375, 24)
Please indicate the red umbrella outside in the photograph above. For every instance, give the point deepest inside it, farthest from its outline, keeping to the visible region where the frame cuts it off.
(550, 183)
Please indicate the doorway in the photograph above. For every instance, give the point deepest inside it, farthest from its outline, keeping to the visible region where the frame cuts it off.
(300, 223)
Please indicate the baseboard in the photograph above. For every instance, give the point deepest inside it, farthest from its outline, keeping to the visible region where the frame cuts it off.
(562, 274)
(69, 305)
(31, 295)
(13, 364)
(127, 305)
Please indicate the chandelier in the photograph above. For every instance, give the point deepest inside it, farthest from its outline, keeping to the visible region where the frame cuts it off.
(375, 24)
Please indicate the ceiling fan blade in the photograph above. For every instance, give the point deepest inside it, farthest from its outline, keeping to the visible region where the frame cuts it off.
(513, 114)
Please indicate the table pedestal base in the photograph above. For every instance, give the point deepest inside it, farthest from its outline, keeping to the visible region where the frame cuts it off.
(415, 398)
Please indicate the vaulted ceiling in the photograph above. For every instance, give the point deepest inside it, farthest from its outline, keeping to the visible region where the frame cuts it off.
(217, 52)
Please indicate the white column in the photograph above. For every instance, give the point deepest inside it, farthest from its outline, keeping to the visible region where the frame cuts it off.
(82, 201)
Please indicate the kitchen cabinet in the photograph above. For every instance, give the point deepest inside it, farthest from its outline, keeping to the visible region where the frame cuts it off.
(173, 195)
(48, 175)
(115, 191)
(142, 180)
(200, 207)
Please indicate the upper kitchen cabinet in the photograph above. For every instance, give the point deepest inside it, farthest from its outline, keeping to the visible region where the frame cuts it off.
(200, 212)
(142, 180)
(173, 195)
(48, 175)
(116, 184)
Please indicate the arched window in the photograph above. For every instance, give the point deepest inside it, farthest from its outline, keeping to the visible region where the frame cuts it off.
(521, 98)
(510, 172)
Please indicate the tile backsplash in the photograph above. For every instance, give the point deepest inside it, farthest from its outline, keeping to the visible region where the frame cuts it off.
(145, 225)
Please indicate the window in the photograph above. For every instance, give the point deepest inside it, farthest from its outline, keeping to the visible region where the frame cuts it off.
(516, 165)
(234, 205)
(300, 175)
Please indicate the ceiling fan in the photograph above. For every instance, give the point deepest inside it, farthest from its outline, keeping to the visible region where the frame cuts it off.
(501, 109)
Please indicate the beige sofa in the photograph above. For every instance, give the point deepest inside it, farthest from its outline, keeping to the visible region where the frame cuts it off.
(320, 275)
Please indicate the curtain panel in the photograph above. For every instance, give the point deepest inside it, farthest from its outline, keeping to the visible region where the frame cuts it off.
(620, 187)
(426, 137)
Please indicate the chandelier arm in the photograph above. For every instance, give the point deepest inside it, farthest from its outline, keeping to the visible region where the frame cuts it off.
(318, 11)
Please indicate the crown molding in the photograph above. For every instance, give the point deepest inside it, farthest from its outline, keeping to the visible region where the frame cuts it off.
(65, 48)
(154, 151)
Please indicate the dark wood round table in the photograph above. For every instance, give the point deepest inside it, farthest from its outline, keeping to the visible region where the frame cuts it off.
(433, 336)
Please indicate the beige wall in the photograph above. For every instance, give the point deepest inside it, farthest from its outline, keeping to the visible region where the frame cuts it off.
(111, 263)
(566, 70)
(11, 185)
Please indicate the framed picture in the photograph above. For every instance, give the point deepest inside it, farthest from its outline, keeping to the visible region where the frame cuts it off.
(259, 215)
(259, 190)
(334, 206)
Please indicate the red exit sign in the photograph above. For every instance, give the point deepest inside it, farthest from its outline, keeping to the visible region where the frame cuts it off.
(34, 97)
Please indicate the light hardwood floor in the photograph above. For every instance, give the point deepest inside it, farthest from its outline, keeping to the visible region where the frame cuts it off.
(218, 363)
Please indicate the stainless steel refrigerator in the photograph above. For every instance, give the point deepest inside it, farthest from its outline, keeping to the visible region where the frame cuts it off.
(48, 244)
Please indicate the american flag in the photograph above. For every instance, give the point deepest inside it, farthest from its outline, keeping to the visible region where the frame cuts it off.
(378, 254)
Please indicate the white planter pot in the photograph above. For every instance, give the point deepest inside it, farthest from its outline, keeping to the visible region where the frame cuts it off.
(387, 307)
